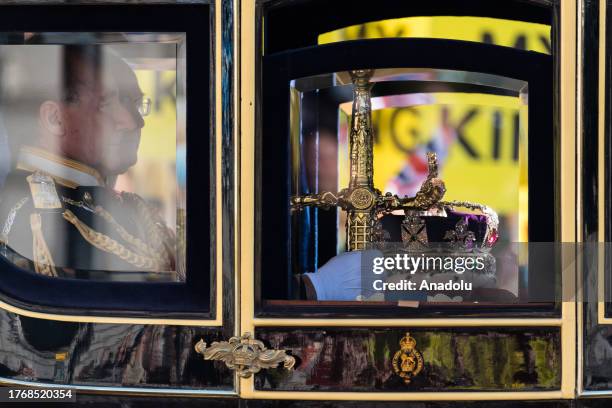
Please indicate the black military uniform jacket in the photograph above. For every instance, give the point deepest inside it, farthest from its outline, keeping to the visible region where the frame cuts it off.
(58, 218)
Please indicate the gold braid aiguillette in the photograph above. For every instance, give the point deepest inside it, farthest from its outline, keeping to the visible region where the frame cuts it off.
(43, 262)
(158, 235)
(135, 242)
(137, 245)
(107, 244)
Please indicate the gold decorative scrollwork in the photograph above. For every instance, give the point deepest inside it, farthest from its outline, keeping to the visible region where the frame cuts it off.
(244, 354)
(361, 198)
(408, 361)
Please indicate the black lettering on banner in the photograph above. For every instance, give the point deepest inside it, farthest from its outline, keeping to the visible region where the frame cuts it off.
(407, 139)
(520, 42)
(487, 38)
(545, 40)
(459, 129)
(361, 34)
(497, 120)
(516, 131)
(412, 133)
(381, 31)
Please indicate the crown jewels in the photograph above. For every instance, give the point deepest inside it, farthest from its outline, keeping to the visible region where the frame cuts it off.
(427, 219)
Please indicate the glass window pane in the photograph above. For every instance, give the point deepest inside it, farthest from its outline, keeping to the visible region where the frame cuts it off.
(93, 144)
(474, 123)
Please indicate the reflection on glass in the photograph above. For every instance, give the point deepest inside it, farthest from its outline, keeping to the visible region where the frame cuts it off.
(94, 132)
(480, 140)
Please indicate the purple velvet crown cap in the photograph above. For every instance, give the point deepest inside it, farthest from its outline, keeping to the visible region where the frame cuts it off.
(438, 227)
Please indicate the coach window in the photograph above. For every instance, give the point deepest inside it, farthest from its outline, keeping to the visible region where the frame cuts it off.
(98, 181)
(404, 134)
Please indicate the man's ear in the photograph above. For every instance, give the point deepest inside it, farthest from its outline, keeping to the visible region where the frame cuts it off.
(50, 117)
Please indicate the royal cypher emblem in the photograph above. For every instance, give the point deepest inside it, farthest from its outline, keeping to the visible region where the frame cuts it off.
(407, 362)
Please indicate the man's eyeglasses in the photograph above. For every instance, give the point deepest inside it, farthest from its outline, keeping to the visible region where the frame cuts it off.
(142, 105)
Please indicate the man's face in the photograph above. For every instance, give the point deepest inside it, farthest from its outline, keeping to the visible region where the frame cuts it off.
(102, 126)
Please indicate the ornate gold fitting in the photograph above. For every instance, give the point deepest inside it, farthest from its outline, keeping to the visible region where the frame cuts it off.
(245, 355)
(408, 361)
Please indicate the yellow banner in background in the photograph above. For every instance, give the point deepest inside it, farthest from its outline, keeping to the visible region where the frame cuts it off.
(487, 161)
(158, 146)
(159, 134)
(481, 161)
(509, 33)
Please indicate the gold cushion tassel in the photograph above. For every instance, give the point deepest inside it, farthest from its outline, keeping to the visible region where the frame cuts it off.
(107, 244)
(43, 262)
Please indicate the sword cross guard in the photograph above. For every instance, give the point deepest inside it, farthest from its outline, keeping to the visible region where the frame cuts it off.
(361, 200)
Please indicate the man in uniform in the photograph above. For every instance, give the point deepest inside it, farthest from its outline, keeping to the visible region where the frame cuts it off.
(59, 213)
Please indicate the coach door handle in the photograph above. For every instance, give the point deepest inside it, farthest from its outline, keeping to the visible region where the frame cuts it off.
(244, 354)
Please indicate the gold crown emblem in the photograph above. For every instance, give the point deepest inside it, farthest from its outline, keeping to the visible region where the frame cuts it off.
(407, 342)
(408, 362)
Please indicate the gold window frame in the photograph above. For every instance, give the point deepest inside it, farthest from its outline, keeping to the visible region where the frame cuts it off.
(601, 221)
(601, 182)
